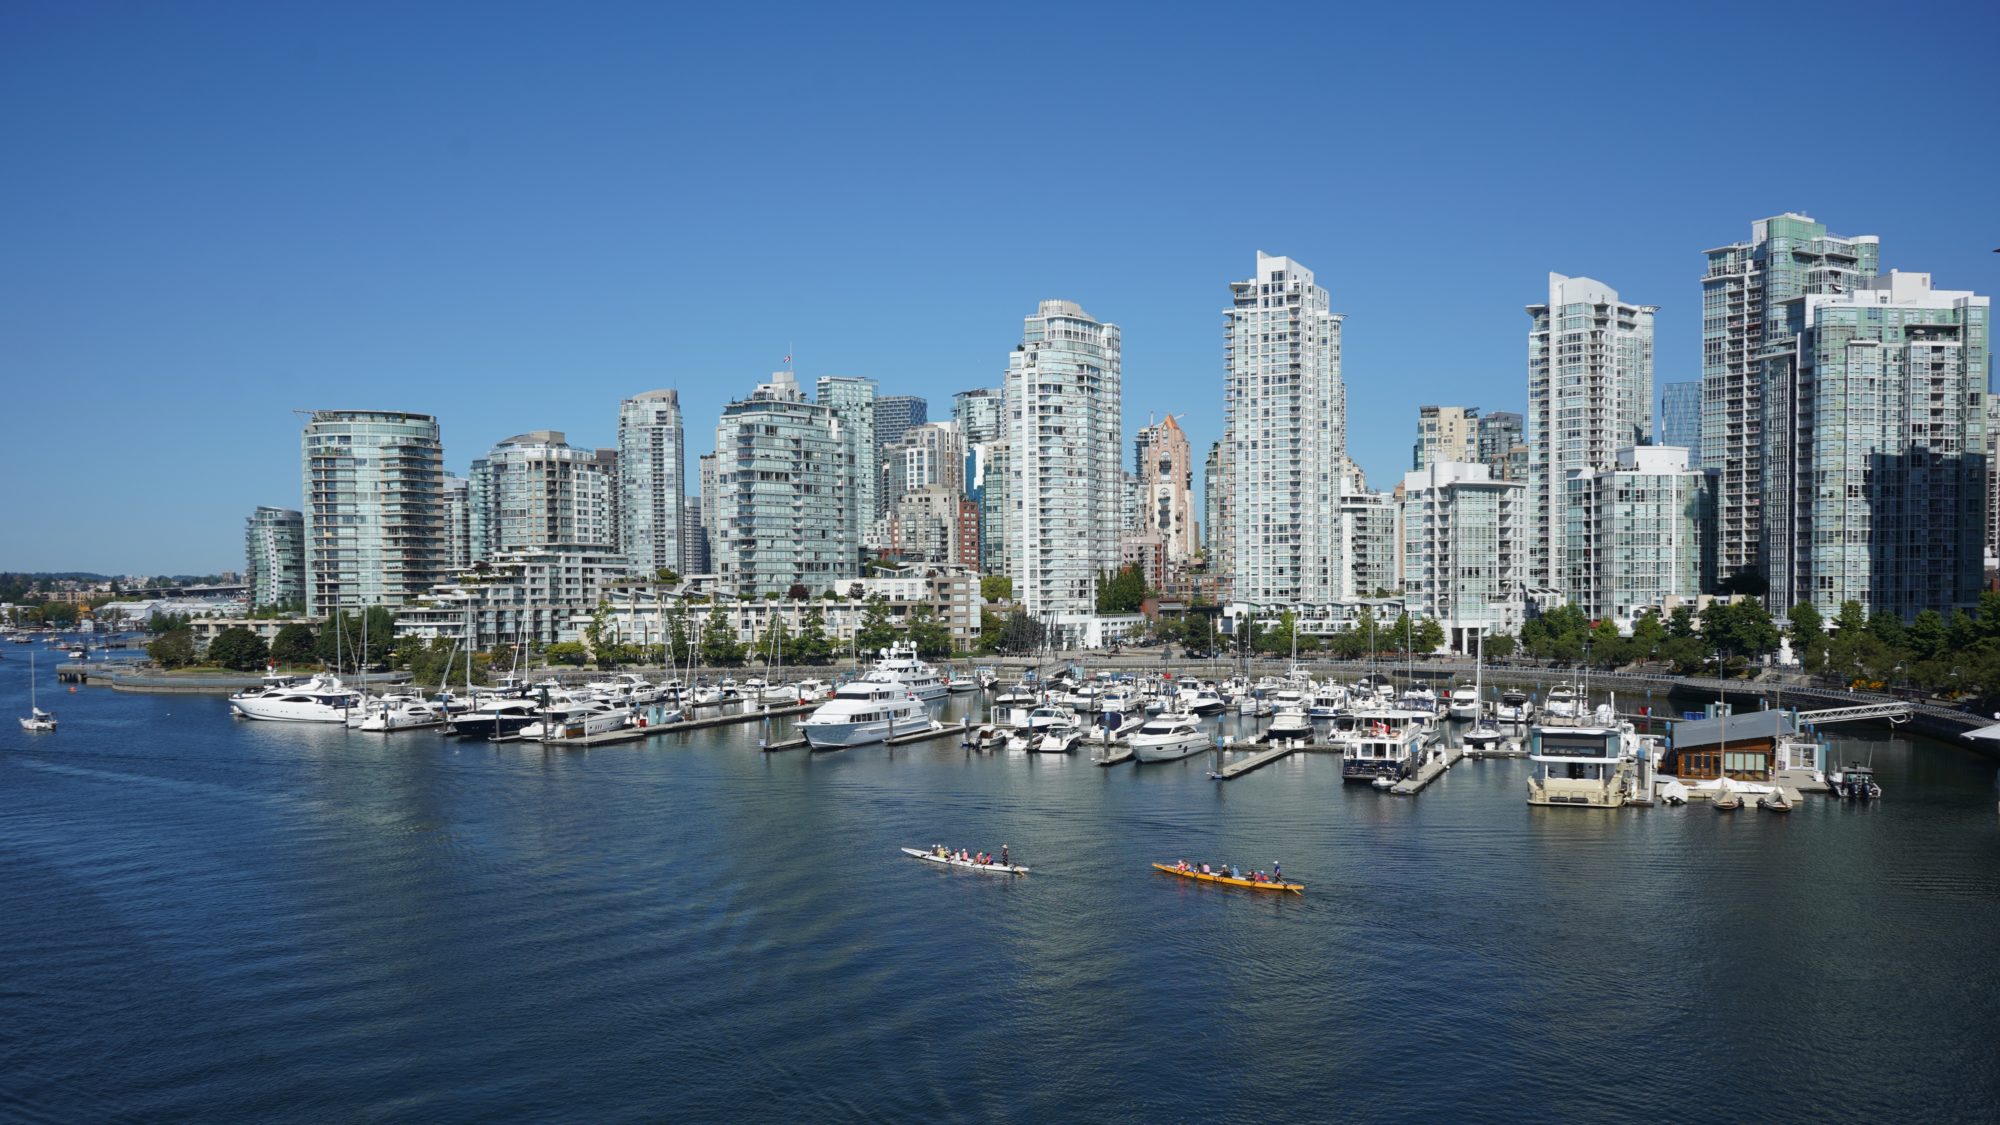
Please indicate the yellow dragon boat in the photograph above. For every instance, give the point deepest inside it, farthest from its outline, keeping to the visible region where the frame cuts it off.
(1295, 888)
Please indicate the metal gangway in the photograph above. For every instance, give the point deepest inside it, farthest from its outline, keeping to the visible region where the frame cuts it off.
(1896, 712)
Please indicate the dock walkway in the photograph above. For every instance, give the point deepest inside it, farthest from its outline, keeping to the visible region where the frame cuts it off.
(635, 734)
(1432, 769)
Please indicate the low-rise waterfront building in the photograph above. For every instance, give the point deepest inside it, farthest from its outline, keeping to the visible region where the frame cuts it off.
(520, 595)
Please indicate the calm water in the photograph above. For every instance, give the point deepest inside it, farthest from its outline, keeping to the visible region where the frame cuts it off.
(208, 919)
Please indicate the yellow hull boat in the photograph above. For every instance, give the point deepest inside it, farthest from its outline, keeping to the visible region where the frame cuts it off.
(1295, 888)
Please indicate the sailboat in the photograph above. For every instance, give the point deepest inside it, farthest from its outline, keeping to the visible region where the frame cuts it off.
(1483, 733)
(37, 719)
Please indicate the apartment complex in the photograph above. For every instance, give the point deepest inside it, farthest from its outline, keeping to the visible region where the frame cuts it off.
(1446, 433)
(274, 558)
(1638, 534)
(1463, 544)
(1285, 433)
(1063, 422)
(652, 481)
(784, 478)
(1742, 325)
(374, 507)
(851, 400)
(535, 490)
(1166, 489)
(1590, 394)
(1876, 426)
(894, 415)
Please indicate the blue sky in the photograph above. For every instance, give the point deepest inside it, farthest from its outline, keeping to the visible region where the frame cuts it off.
(511, 215)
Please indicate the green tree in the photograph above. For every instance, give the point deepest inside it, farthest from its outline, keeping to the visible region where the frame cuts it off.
(567, 652)
(1276, 639)
(1681, 622)
(996, 588)
(1123, 591)
(876, 632)
(1888, 628)
(928, 633)
(1808, 631)
(173, 650)
(718, 641)
(293, 645)
(1429, 635)
(811, 645)
(238, 648)
(1928, 636)
(1500, 646)
(163, 623)
(776, 639)
(58, 615)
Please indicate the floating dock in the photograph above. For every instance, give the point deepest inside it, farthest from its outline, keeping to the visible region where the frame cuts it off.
(634, 734)
(1263, 758)
(1432, 769)
(1115, 755)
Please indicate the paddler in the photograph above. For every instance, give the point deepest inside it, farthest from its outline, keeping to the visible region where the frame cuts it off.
(1003, 854)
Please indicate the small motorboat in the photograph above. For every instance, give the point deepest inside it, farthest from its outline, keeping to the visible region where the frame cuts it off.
(1289, 725)
(988, 737)
(1060, 738)
(1775, 801)
(947, 859)
(1727, 801)
(1854, 782)
(1384, 782)
(1231, 881)
(1483, 735)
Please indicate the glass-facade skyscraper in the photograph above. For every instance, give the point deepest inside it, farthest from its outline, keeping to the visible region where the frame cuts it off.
(895, 415)
(1876, 485)
(535, 490)
(374, 507)
(652, 482)
(1680, 418)
(1742, 325)
(274, 557)
(784, 476)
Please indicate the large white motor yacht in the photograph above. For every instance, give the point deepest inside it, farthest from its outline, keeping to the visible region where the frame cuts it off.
(899, 665)
(323, 699)
(1167, 736)
(865, 711)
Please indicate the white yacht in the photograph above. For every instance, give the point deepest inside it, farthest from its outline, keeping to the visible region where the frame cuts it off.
(1464, 701)
(1514, 707)
(1329, 701)
(1168, 736)
(1201, 700)
(865, 711)
(1020, 695)
(1290, 724)
(404, 712)
(323, 699)
(899, 665)
(1111, 726)
(1059, 738)
(1419, 697)
(1564, 702)
(573, 717)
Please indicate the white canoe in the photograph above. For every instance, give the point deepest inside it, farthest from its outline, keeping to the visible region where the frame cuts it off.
(953, 861)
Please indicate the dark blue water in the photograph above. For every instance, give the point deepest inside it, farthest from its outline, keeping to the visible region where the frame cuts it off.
(207, 919)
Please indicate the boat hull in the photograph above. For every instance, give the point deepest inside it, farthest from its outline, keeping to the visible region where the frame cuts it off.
(1247, 884)
(950, 861)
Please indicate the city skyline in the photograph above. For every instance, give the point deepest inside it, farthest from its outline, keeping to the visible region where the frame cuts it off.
(204, 262)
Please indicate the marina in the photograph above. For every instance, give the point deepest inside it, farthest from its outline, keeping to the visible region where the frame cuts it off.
(292, 844)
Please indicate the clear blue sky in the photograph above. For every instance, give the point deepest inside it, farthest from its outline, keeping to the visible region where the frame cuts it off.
(511, 215)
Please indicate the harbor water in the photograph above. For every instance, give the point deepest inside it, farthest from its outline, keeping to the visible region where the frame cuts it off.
(209, 919)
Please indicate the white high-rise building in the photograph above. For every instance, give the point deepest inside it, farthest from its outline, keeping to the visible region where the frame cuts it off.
(535, 490)
(1062, 414)
(374, 508)
(1285, 419)
(784, 478)
(1462, 544)
(1368, 548)
(652, 481)
(1590, 394)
